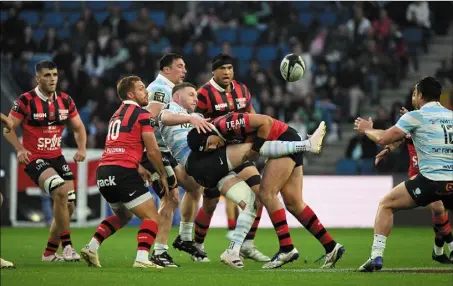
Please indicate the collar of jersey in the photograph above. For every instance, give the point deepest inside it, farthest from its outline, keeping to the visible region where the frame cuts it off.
(42, 96)
(166, 80)
(218, 87)
(432, 103)
(130, 102)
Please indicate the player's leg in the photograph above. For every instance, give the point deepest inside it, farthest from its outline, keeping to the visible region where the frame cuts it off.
(442, 232)
(249, 173)
(4, 264)
(232, 213)
(293, 199)
(275, 174)
(398, 199)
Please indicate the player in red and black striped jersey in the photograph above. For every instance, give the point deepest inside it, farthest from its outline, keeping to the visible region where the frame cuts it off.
(43, 113)
(121, 178)
(221, 95)
(442, 228)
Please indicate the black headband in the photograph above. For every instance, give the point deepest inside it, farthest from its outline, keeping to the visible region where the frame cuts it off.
(220, 60)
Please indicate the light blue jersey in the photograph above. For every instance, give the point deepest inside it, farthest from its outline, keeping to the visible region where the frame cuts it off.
(175, 136)
(431, 129)
(160, 91)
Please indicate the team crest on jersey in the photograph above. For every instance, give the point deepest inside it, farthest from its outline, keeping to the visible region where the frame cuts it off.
(15, 107)
(159, 96)
(152, 122)
(63, 114)
(230, 103)
(241, 102)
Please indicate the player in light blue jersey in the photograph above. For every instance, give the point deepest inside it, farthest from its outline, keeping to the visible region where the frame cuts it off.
(431, 129)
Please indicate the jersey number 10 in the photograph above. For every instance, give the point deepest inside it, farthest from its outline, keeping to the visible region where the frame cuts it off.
(114, 130)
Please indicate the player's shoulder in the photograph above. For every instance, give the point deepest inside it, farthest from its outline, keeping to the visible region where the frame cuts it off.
(204, 88)
(238, 84)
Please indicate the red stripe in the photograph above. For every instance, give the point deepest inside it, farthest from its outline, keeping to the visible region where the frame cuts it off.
(247, 124)
(127, 116)
(237, 129)
(218, 97)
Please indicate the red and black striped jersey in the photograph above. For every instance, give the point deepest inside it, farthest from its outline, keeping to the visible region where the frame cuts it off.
(413, 160)
(235, 128)
(43, 121)
(213, 101)
(124, 144)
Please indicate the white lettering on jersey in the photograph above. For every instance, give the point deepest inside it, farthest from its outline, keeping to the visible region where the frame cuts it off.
(49, 144)
(235, 124)
(110, 181)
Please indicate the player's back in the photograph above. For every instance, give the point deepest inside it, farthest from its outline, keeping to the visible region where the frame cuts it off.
(124, 144)
(433, 140)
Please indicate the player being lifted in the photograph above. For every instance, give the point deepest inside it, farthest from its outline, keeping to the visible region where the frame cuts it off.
(121, 178)
(431, 129)
(43, 114)
(172, 71)
(282, 175)
(221, 95)
(442, 228)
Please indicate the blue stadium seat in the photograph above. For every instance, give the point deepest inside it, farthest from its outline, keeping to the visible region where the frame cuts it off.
(101, 16)
(63, 33)
(188, 48)
(243, 53)
(38, 34)
(306, 18)
(300, 5)
(159, 17)
(97, 5)
(125, 5)
(213, 50)
(265, 64)
(29, 17)
(73, 17)
(226, 34)
(53, 19)
(267, 53)
(49, 5)
(70, 5)
(327, 19)
(346, 167)
(130, 16)
(248, 35)
(243, 68)
(366, 167)
(412, 35)
(36, 58)
(3, 15)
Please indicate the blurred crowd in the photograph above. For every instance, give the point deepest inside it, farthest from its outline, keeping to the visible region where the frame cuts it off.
(348, 62)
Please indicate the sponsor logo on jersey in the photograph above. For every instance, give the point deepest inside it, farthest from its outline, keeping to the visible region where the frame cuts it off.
(220, 106)
(110, 181)
(63, 114)
(39, 115)
(235, 124)
(159, 96)
(241, 102)
(49, 144)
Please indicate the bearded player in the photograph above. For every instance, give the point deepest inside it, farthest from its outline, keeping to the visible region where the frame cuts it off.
(43, 114)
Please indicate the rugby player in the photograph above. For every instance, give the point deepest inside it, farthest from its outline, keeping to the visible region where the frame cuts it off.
(43, 114)
(431, 129)
(280, 175)
(121, 179)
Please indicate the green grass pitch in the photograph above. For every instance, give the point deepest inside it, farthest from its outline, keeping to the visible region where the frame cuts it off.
(408, 253)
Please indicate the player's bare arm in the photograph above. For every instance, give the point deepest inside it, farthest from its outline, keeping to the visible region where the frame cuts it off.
(263, 126)
(8, 122)
(155, 107)
(171, 119)
(388, 148)
(155, 157)
(11, 137)
(381, 137)
(80, 137)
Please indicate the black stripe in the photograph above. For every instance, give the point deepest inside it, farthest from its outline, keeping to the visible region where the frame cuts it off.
(41, 123)
(200, 235)
(280, 223)
(283, 236)
(147, 231)
(53, 245)
(45, 109)
(257, 218)
(243, 133)
(311, 221)
(24, 99)
(99, 237)
(212, 98)
(63, 237)
(33, 108)
(442, 225)
(133, 118)
(144, 244)
(57, 110)
(201, 97)
(201, 225)
(144, 122)
(253, 229)
(109, 225)
(253, 181)
(321, 233)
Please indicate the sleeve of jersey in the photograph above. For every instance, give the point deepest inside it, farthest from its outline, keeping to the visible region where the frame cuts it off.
(146, 122)
(203, 104)
(19, 109)
(409, 121)
(157, 94)
(248, 98)
(72, 109)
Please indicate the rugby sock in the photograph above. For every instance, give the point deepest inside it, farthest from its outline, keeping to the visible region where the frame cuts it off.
(185, 231)
(311, 222)
(231, 224)
(202, 222)
(244, 223)
(253, 229)
(278, 219)
(277, 149)
(105, 229)
(145, 238)
(378, 246)
(52, 247)
(438, 245)
(442, 230)
(65, 238)
(160, 248)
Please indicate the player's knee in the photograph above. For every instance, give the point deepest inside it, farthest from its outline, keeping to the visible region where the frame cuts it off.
(265, 196)
(60, 195)
(243, 195)
(437, 209)
(54, 184)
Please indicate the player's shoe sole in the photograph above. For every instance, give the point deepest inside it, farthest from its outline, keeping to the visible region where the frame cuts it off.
(146, 264)
(231, 260)
(334, 256)
(5, 264)
(282, 258)
(91, 258)
(254, 254)
(317, 137)
(372, 265)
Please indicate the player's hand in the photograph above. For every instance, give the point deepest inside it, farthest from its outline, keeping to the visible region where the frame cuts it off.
(164, 185)
(22, 156)
(9, 124)
(80, 156)
(360, 124)
(145, 174)
(252, 155)
(381, 155)
(200, 123)
(403, 111)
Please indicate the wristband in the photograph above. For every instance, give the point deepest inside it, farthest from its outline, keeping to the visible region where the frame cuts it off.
(257, 144)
